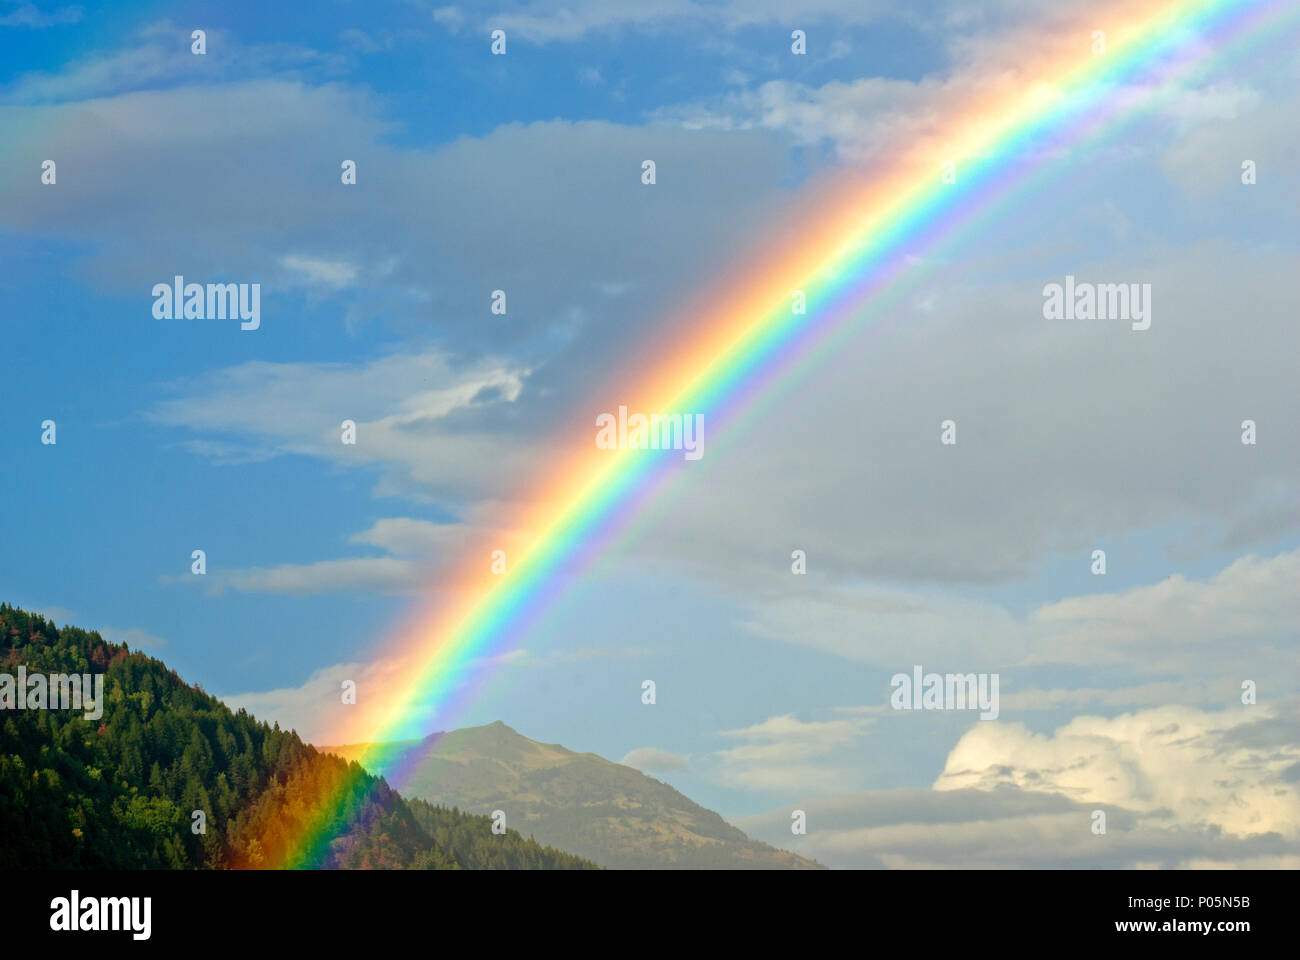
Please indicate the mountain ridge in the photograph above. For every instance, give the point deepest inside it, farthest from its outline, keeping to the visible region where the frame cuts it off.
(606, 812)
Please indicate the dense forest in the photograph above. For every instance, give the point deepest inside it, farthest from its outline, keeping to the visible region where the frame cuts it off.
(120, 791)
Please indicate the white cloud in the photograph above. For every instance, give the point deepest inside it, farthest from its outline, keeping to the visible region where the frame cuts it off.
(332, 274)
(161, 55)
(402, 406)
(56, 615)
(1252, 604)
(384, 575)
(1180, 788)
(450, 17)
(405, 536)
(134, 637)
(785, 753)
(1196, 768)
(315, 709)
(1003, 829)
(878, 119)
(652, 759)
(414, 548)
(885, 626)
(1239, 622)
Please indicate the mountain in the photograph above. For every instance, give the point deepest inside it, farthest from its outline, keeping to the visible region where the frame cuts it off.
(120, 790)
(609, 813)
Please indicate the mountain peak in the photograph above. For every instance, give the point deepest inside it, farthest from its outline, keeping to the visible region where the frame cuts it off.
(604, 811)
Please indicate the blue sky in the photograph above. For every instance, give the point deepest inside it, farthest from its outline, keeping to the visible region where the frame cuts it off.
(521, 172)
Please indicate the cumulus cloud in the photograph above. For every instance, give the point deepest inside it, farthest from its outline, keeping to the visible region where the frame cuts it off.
(1180, 787)
(1191, 767)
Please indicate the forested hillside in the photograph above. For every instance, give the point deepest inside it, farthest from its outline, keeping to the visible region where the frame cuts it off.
(120, 791)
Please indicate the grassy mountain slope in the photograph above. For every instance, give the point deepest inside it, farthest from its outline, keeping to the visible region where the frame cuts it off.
(604, 811)
(120, 791)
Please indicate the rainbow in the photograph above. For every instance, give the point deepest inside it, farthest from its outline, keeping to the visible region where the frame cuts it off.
(849, 242)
